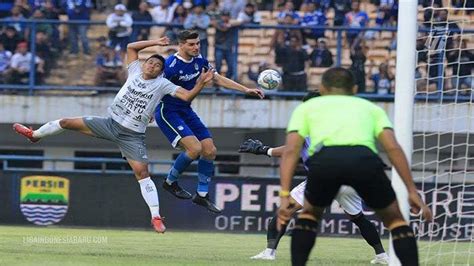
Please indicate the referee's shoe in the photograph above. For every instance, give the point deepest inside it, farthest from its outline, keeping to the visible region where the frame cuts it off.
(205, 202)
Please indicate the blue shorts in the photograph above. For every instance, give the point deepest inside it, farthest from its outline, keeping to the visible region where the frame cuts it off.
(179, 122)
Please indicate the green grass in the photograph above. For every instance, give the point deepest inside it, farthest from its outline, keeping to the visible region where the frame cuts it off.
(134, 247)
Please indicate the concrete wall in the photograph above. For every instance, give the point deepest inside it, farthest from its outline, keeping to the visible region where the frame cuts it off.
(222, 112)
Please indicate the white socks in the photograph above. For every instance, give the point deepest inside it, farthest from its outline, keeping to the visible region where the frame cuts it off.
(48, 129)
(150, 194)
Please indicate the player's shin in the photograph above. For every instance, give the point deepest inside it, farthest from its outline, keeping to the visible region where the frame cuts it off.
(150, 195)
(273, 235)
(180, 164)
(302, 240)
(368, 232)
(205, 172)
(48, 129)
(404, 244)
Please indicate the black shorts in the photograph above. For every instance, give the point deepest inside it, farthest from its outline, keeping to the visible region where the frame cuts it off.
(355, 166)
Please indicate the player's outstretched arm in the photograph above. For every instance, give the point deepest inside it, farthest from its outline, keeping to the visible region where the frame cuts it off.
(230, 84)
(399, 161)
(255, 146)
(134, 47)
(205, 77)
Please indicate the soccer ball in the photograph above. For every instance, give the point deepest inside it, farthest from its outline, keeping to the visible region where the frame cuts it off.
(269, 79)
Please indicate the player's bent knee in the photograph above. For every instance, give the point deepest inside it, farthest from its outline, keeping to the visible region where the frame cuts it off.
(65, 123)
(209, 153)
(71, 123)
(141, 174)
(194, 151)
(353, 217)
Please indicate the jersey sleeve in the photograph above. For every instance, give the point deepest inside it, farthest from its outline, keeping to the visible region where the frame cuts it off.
(381, 121)
(170, 64)
(298, 122)
(168, 73)
(168, 87)
(134, 68)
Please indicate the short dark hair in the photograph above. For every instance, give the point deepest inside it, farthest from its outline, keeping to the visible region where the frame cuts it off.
(157, 56)
(339, 78)
(187, 35)
(310, 95)
(203, 6)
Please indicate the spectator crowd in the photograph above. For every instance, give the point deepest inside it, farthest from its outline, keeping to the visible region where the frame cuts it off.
(295, 50)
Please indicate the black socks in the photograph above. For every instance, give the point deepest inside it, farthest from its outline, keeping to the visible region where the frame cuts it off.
(302, 240)
(369, 233)
(273, 235)
(404, 244)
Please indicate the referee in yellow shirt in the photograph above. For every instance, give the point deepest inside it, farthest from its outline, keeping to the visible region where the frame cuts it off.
(343, 130)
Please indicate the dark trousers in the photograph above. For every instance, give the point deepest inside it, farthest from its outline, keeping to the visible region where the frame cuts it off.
(229, 56)
(295, 82)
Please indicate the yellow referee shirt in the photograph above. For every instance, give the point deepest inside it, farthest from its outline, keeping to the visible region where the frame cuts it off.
(339, 120)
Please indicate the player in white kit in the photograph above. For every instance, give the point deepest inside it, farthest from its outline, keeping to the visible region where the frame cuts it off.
(128, 116)
(347, 198)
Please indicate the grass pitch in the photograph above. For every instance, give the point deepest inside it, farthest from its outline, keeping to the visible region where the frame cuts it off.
(71, 246)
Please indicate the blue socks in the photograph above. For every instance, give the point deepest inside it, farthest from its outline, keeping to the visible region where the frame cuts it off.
(181, 163)
(205, 172)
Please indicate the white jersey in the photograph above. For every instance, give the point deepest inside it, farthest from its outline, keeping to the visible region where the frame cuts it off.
(135, 103)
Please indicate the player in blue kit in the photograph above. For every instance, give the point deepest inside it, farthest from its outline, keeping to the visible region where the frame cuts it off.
(182, 126)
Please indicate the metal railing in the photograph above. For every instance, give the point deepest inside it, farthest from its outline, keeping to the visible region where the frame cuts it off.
(6, 159)
(272, 165)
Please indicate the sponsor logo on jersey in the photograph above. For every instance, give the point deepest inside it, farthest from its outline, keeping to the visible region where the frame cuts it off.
(188, 77)
(44, 199)
(139, 93)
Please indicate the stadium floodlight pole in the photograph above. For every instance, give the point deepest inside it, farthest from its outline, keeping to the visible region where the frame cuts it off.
(404, 98)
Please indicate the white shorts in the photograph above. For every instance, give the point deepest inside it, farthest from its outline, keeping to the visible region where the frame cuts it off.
(347, 197)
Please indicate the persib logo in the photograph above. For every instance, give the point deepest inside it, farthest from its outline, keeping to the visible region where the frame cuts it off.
(44, 199)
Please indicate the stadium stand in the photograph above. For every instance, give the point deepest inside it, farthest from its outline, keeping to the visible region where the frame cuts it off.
(255, 46)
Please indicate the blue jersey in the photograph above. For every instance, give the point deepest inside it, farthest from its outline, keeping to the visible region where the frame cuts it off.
(184, 74)
(305, 152)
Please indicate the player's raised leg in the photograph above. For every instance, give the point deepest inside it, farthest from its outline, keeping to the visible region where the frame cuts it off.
(149, 193)
(205, 173)
(52, 128)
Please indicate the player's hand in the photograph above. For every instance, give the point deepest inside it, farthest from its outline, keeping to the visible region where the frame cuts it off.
(206, 75)
(254, 146)
(284, 212)
(163, 41)
(417, 205)
(255, 92)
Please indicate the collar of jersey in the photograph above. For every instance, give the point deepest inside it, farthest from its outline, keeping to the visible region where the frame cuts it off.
(182, 59)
